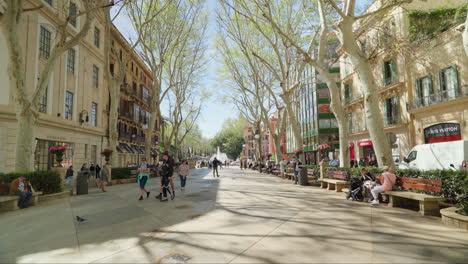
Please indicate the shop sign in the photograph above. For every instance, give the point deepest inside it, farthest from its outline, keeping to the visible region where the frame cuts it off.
(442, 132)
(364, 143)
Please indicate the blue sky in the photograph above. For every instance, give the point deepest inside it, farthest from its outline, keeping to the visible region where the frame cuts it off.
(215, 112)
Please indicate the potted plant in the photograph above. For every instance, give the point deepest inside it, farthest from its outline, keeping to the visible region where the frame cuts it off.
(107, 153)
(323, 148)
(58, 151)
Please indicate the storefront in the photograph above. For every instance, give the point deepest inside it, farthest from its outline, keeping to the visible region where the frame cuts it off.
(442, 132)
(367, 149)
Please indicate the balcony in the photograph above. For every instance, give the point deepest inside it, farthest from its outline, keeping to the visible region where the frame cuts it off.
(351, 100)
(439, 97)
(391, 121)
(126, 114)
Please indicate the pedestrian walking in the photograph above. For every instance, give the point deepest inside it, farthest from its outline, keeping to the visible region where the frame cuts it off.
(166, 172)
(143, 178)
(184, 171)
(282, 163)
(92, 170)
(98, 171)
(216, 163)
(104, 177)
(69, 177)
(297, 163)
(85, 169)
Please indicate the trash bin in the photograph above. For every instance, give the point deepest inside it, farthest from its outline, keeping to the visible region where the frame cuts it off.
(82, 183)
(303, 176)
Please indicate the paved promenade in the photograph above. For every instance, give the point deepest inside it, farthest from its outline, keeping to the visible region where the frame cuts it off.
(241, 217)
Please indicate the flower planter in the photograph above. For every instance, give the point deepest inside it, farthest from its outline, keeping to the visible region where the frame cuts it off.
(452, 218)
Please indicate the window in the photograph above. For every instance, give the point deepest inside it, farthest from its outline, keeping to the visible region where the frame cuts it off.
(120, 55)
(425, 91)
(86, 151)
(95, 76)
(412, 156)
(72, 12)
(324, 123)
(44, 43)
(71, 61)
(447, 80)
(69, 105)
(43, 101)
(391, 111)
(49, 2)
(389, 72)
(93, 114)
(93, 153)
(97, 37)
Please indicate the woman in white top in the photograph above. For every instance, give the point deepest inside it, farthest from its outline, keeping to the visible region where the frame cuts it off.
(183, 171)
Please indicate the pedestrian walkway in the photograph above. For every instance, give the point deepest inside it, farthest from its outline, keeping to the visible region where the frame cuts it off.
(241, 217)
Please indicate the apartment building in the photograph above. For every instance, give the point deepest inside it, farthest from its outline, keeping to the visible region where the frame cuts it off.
(134, 108)
(73, 108)
(422, 84)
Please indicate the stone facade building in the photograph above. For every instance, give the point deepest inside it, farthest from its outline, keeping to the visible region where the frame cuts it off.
(74, 110)
(423, 81)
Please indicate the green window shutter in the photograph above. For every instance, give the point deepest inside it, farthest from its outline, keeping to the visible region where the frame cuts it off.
(431, 85)
(455, 81)
(418, 91)
(397, 109)
(393, 67)
(439, 81)
(384, 84)
(387, 102)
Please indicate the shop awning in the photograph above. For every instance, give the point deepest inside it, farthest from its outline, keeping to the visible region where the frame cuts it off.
(137, 149)
(154, 151)
(364, 143)
(125, 148)
(119, 150)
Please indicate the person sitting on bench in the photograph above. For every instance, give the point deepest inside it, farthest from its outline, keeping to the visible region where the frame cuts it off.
(388, 180)
(20, 187)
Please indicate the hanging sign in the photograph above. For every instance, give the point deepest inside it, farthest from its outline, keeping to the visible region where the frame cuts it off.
(442, 132)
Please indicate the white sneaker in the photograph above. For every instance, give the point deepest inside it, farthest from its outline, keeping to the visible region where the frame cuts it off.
(375, 202)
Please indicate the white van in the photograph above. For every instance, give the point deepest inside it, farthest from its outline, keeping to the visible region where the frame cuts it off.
(437, 156)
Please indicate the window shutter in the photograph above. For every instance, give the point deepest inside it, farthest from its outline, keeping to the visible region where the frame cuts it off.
(455, 81)
(397, 109)
(439, 80)
(394, 70)
(384, 84)
(386, 112)
(431, 85)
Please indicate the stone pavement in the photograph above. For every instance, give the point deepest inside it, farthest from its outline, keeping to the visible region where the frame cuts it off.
(242, 217)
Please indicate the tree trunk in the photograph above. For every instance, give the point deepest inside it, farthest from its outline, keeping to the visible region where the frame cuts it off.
(113, 119)
(24, 141)
(149, 134)
(339, 113)
(278, 152)
(375, 124)
(296, 129)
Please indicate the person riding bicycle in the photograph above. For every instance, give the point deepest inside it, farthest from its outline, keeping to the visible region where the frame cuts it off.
(166, 171)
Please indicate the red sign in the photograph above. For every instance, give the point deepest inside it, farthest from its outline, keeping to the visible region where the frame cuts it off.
(351, 145)
(364, 143)
(325, 108)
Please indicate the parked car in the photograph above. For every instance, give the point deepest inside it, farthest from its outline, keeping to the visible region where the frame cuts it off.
(444, 156)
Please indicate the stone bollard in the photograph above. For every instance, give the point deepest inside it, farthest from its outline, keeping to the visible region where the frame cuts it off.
(62, 172)
(323, 168)
(303, 176)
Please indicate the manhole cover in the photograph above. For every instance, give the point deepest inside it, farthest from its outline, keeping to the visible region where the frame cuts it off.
(174, 258)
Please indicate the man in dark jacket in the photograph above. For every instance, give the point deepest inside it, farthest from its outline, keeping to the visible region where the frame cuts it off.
(216, 163)
(166, 171)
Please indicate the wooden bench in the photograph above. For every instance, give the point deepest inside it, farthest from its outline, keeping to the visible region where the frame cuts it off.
(10, 203)
(336, 180)
(289, 174)
(428, 204)
(312, 176)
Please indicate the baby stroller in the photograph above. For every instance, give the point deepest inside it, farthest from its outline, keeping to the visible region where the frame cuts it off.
(355, 189)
